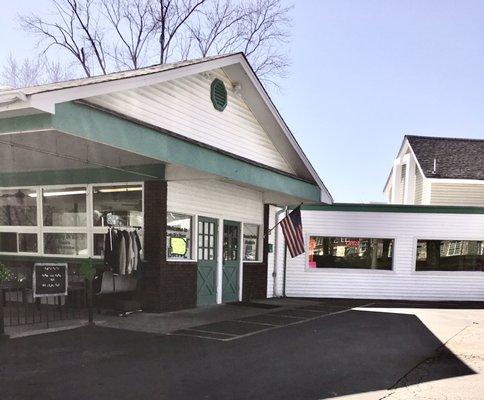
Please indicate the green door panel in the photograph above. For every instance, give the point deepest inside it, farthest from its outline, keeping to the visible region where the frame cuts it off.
(207, 261)
(231, 261)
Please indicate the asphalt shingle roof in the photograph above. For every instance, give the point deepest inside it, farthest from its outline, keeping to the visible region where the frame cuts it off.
(455, 158)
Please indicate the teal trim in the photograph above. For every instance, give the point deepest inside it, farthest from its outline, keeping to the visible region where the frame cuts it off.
(86, 175)
(393, 208)
(20, 258)
(99, 126)
(26, 123)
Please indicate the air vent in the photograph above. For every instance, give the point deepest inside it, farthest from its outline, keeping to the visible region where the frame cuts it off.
(218, 94)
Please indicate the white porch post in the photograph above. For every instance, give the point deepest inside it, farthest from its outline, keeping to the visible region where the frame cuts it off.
(397, 170)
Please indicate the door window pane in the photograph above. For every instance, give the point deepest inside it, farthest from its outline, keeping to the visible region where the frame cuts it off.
(118, 205)
(71, 244)
(346, 252)
(179, 234)
(231, 243)
(8, 242)
(27, 243)
(64, 207)
(251, 242)
(450, 255)
(18, 207)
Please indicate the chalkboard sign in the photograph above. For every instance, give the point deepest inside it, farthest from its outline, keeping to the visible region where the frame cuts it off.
(50, 279)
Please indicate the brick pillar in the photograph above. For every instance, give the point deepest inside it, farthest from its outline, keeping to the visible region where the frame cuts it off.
(154, 244)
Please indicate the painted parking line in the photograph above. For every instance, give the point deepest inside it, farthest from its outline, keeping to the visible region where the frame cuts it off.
(213, 331)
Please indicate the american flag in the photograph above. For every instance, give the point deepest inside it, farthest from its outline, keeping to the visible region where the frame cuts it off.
(293, 233)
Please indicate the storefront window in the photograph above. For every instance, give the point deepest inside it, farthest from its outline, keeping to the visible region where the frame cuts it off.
(251, 242)
(118, 205)
(69, 244)
(344, 252)
(64, 207)
(450, 255)
(18, 207)
(179, 235)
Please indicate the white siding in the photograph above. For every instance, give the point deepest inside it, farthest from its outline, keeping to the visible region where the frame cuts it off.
(457, 194)
(183, 106)
(216, 199)
(401, 283)
(402, 183)
(418, 187)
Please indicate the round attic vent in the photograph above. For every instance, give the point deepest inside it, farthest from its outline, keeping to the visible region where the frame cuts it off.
(218, 94)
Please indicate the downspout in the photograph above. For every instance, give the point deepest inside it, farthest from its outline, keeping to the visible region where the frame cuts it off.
(276, 250)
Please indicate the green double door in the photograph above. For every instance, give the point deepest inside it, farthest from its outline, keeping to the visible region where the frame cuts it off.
(207, 261)
(231, 261)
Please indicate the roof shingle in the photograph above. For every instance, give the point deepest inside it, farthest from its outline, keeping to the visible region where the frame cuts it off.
(455, 158)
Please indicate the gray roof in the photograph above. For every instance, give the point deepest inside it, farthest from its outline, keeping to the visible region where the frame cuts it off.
(455, 158)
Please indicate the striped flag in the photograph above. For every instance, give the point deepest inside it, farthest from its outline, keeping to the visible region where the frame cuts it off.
(293, 232)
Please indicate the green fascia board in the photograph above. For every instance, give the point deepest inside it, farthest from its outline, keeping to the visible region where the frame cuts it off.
(102, 127)
(86, 175)
(393, 208)
(26, 123)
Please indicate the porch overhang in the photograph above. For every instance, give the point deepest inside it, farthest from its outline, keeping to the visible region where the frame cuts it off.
(107, 129)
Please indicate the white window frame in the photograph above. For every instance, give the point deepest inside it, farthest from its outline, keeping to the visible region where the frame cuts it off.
(89, 229)
(349, 270)
(260, 243)
(193, 242)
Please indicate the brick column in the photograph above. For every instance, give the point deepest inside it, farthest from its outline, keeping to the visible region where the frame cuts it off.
(154, 244)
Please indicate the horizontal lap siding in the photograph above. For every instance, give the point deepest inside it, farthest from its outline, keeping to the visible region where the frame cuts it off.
(457, 194)
(401, 283)
(183, 106)
(216, 199)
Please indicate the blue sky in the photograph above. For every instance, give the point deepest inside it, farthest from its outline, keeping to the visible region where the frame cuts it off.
(363, 74)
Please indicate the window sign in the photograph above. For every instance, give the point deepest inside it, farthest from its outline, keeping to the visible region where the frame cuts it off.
(179, 235)
(251, 242)
(49, 279)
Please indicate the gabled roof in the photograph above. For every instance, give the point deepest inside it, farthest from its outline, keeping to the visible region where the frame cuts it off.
(454, 158)
(43, 98)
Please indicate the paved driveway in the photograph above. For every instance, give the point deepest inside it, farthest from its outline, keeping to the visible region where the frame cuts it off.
(355, 352)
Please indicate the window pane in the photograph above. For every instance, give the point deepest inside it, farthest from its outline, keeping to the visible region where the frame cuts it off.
(8, 242)
(64, 207)
(179, 234)
(450, 255)
(342, 252)
(18, 207)
(251, 242)
(98, 244)
(27, 242)
(72, 244)
(118, 205)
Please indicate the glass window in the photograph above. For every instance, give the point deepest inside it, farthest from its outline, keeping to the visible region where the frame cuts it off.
(344, 252)
(178, 236)
(251, 242)
(13, 242)
(450, 255)
(27, 243)
(64, 207)
(8, 242)
(118, 205)
(18, 207)
(70, 244)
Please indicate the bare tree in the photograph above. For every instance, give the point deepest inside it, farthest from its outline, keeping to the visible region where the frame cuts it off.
(106, 35)
(30, 72)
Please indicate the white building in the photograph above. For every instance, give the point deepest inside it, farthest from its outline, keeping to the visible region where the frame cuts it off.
(438, 171)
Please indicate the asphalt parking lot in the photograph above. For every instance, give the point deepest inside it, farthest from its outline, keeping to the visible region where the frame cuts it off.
(311, 352)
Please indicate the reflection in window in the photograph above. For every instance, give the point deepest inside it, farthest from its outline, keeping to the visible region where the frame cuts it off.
(18, 207)
(344, 252)
(64, 207)
(251, 242)
(69, 244)
(231, 243)
(450, 255)
(117, 205)
(178, 236)
(13, 242)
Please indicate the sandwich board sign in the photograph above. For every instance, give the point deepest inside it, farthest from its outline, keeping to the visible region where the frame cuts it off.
(49, 279)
